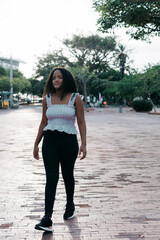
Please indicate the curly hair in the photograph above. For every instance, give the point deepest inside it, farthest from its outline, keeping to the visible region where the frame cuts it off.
(69, 84)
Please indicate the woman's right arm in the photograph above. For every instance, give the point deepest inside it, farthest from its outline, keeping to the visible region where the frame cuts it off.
(40, 131)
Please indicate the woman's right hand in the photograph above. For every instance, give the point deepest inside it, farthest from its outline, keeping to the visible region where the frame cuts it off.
(36, 152)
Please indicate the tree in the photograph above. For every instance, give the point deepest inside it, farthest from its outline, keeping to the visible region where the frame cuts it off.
(101, 81)
(2, 71)
(39, 87)
(130, 87)
(110, 91)
(93, 52)
(4, 84)
(34, 89)
(26, 86)
(83, 77)
(151, 79)
(122, 59)
(49, 60)
(17, 85)
(21, 85)
(83, 55)
(110, 75)
(17, 74)
(145, 85)
(142, 17)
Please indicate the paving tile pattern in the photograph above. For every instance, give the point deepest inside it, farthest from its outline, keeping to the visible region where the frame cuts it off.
(117, 193)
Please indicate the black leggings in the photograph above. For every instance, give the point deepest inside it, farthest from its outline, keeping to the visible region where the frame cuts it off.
(58, 147)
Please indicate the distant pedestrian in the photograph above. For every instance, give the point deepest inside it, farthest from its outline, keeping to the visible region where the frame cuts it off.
(61, 104)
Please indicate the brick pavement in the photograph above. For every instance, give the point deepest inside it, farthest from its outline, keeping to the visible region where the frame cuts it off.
(117, 192)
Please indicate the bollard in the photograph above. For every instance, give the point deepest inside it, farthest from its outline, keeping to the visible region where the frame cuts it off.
(120, 109)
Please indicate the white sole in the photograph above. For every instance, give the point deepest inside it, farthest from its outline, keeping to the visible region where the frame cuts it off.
(46, 229)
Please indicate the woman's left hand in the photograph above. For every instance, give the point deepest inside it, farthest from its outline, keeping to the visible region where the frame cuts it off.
(83, 151)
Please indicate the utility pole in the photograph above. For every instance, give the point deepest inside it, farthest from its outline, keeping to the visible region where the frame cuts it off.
(11, 82)
(122, 58)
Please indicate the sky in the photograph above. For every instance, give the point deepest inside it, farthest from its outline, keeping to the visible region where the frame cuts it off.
(30, 28)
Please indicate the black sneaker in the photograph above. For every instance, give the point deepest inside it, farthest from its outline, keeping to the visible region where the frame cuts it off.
(45, 224)
(69, 212)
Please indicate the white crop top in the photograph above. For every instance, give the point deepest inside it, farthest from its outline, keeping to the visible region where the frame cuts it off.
(61, 117)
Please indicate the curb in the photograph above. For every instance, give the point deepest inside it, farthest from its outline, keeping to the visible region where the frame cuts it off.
(154, 113)
(88, 109)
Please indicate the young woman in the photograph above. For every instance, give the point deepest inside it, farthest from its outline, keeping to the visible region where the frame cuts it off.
(61, 104)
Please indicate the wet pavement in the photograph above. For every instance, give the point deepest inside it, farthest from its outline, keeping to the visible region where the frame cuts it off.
(117, 193)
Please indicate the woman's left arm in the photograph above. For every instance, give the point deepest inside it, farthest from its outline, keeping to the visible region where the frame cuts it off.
(81, 125)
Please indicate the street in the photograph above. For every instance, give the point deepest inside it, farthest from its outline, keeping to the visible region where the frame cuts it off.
(117, 193)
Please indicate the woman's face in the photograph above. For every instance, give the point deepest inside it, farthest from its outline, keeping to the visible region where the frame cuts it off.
(57, 79)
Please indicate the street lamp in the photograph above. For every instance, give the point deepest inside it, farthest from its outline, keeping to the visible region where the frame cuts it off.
(122, 58)
(11, 82)
(99, 94)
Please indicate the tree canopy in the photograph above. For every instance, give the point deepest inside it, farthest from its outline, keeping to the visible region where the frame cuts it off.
(47, 61)
(20, 83)
(93, 52)
(143, 16)
(84, 55)
(90, 59)
(145, 85)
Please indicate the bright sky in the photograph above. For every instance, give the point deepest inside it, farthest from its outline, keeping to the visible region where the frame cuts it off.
(30, 28)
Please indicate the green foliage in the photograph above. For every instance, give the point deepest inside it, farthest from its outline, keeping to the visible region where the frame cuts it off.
(144, 85)
(2, 71)
(130, 87)
(101, 83)
(142, 105)
(110, 74)
(83, 78)
(90, 60)
(115, 90)
(20, 83)
(81, 74)
(110, 92)
(39, 87)
(93, 52)
(26, 86)
(34, 88)
(17, 85)
(4, 83)
(17, 74)
(152, 79)
(46, 63)
(134, 85)
(143, 16)
(86, 56)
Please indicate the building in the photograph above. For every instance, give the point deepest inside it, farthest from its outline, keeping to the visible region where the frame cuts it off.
(6, 63)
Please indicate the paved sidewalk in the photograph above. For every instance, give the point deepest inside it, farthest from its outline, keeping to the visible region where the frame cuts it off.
(117, 193)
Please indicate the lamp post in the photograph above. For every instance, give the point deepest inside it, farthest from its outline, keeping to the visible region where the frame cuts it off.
(11, 82)
(122, 58)
(99, 93)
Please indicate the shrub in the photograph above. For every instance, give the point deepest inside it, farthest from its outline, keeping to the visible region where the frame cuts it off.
(142, 105)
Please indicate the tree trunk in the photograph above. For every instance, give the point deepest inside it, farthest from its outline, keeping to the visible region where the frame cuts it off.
(151, 102)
